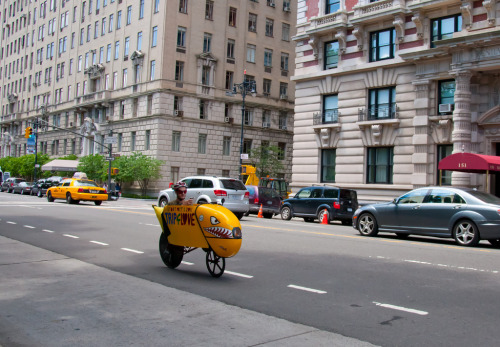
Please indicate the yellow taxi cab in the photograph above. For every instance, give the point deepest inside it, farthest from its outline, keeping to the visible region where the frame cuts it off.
(74, 190)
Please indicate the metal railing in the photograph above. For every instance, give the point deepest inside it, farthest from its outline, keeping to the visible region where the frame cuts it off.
(328, 117)
(377, 112)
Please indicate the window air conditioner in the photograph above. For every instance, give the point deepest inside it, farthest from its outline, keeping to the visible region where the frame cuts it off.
(283, 127)
(443, 108)
(252, 28)
(226, 119)
(283, 97)
(271, 3)
(286, 7)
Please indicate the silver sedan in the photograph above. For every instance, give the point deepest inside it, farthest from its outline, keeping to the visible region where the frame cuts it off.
(467, 215)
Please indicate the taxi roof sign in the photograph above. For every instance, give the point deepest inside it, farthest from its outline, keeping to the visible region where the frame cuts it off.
(80, 175)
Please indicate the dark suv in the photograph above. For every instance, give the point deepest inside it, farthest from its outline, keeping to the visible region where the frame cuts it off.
(40, 187)
(312, 202)
(268, 198)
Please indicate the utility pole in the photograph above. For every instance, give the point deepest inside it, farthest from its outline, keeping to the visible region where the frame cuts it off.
(110, 156)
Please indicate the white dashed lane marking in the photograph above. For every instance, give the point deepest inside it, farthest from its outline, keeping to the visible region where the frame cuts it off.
(47, 231)
(237, 274)
(99, 243)
(312, 290)
(400, 308)
(29, 226)
(426, 263)
(9, 222)
(72, 236)
(132, 250)
(187, 263)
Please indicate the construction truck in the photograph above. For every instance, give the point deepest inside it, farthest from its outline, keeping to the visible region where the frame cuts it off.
(279, 184)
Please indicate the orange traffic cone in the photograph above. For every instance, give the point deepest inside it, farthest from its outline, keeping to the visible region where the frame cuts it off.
(325, 218)
(260, 212)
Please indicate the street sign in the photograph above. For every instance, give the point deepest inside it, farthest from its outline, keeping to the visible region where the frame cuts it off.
(111, 140)
(31, 141)
(110, 158)
(244, 155)
(116, 155)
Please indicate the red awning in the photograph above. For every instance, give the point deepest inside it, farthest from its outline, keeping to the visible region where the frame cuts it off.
(470, 162)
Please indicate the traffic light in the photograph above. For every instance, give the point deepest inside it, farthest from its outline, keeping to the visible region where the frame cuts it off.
(114, 171)
(29, 132)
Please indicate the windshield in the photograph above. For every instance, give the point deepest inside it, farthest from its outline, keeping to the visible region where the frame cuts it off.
(81, 183)
(233, 184)
(485, 197)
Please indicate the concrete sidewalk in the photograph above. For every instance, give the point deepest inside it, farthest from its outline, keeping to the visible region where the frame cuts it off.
(47, 299)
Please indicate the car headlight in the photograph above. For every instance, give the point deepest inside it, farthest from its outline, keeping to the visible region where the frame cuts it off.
(237, 233)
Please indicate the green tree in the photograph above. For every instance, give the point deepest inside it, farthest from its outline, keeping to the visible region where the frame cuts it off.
(138, 167)
(266, 160)
(26, 165)
(95, 166)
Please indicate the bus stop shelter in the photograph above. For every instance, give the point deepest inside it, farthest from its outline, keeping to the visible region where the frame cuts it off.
(472, 163)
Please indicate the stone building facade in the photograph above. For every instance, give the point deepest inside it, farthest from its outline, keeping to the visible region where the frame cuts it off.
(385, 89)
(155, 73)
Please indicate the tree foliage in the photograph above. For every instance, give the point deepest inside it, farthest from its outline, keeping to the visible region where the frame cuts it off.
(24, 166)
(94, 165)
(266, 160)
(138, 167)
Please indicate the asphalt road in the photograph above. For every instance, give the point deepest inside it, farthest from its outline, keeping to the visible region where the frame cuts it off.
(383, 290)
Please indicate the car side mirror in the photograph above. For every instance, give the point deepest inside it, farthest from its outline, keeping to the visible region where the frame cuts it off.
(395, 201)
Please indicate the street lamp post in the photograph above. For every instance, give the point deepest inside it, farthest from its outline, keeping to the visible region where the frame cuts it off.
(243, 88)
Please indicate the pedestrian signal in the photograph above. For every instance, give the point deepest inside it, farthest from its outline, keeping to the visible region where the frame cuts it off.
(114, 171)
(29, 132)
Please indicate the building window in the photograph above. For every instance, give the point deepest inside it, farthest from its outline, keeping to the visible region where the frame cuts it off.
(139, 40)
(176, 141)
(446, 96)
(443, 178)
(117, 49)
(118, 20)
(269, 27)
(247, 146)
(443, 28)
(232, 17)
(268, 57)
(202, 143)
(111, 22)
(183, 6)
(108, 53)
(266, 87)
(132, 141)
(127, 46)
(332, 6)
(248, 117)
(205, 75)
(328, 157)
(203, 109)
(382, 103)
(157, 8)
(148, 140)
(252, 22)
(207, 42)
(155, 36)
(124, 82)
(285, 32)
(330, 109)
(179, 70)
(282, 121)
(230, 48)
(229, 80)
(226, 145)
(181, 37)
(209, 9)
(120, 142)
(251, 53)
(382, 44)
(141, 9)
(380, 165)
(152, 70)
(284, 61)
(331, 55)
(129, 15)
(174, 174)
(283, 90)
(282, 150)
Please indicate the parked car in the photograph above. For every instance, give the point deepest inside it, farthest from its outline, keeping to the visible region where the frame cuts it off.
(312, 202)
(76, 190)
(40, 187)
(22, 188)
(465, 214)
(9, 184)
(269, 198)
(229, 192)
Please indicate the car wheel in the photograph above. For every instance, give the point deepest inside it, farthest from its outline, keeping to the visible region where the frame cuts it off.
(367, 225)
(321, 214)
(238, 215)
(246, 214)
(495, 243)
(170, 254)
(268, 215)
(286, 213)
(465, 233)
(163, 202)
(69, 199)
(49, 197)
(402, 236)
(215, 264)
(98, 203)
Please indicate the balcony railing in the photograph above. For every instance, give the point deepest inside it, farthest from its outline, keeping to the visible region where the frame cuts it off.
(328, 117)
(378, 113)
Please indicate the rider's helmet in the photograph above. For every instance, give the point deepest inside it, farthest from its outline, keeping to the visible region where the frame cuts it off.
(178, 185)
